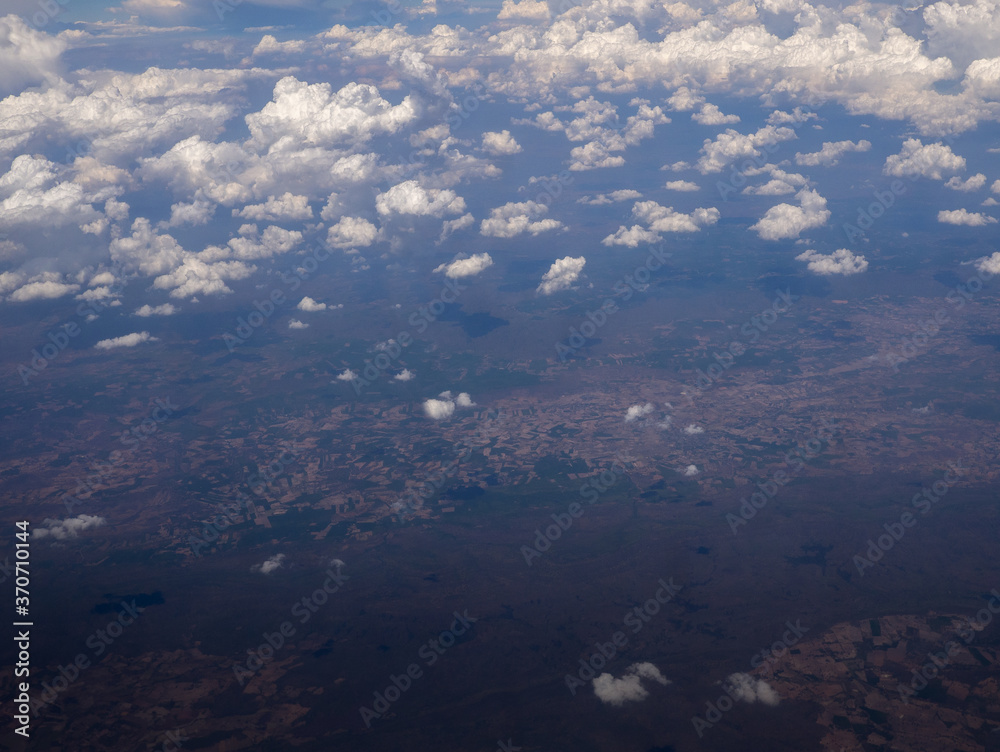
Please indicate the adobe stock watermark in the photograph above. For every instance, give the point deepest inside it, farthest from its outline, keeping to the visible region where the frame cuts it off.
(131, 437)
(635, 619)
(591, 490)
(796, 460)
(894, 531)
(752, 331)
(246, 326)
(414, 498)
(937, 661)
(303, 611)
(429, 653)
(929, 328)
(98, 642)
(625, 288)
(420, 319)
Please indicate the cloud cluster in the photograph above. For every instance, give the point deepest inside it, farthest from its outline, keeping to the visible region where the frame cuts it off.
(126, 340)
(916, 159)
(746, 688)
(841, 261)
(71, 527)
(561, 275)
(466, 267)
(966, 218)
(638, 411)
(517, 218)
(789, 221)
(269, 565)
(628, 688)
(444, 405)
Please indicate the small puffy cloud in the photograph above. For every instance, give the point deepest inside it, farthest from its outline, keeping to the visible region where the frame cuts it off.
(631, 236)
(917, 160)
(989, 264)
(967, 186)
(629, 688)
(500, 144)
(405, 375)
(665, 219)
(601, 199)
(712, 115)
(638, 411)
(270, 565)
(309, 305)
(830, 153)
(126, 340)
(347, 375)
(842, 261)
(731, 146)
(198, 212)
(450, 226)
(748, 689)
(693, 429)
(787, 221)
(995, 188)
(287, 206)
(439, 409)
(167, 309)
(513, 219)
(444, 406)
(690, 471)
(68, 528)
(409, 197)
(963, 217)
(44, 287)
(352, 232)
(561, 275)
(681, 185)
(296, 324)
(466, 267)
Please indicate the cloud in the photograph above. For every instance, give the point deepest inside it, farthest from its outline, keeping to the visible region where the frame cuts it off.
(631, 236)
(684, 100)
(126, 340)
(690, 471)
(744, 687)
(514, 219)
(444, 407)
(917, 160)
(46, 286)
(974, 183)
(526, 10)
(830, 153)
(681, 185)
(731, 146)
(629, 688)
(466, 267)
(450, 226)
(638, 411)
(841, 261)
(601, 199)
(990, 264)
(352, 232)
(439, 409)
(309, 305)
(347, 375)
(167, 309)
(967, 218)
(787, 221)
(500, 144)
(68, 528)
(296, 324)
(288, 206)
(561, 275)
(270, 565)
(405, 375)
(693, 429)
(660, 219)
(712, 115)
(410, 197)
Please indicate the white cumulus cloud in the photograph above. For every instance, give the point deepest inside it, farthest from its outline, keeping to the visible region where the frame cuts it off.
(788, 221)
(126, 340)
(841, 261)
(466, 267)
(629, 687)
(561, 275)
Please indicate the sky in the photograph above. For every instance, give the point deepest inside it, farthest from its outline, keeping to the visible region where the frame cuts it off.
(178, 149)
